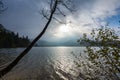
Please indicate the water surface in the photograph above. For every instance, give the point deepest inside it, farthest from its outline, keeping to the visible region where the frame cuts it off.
(46, 63)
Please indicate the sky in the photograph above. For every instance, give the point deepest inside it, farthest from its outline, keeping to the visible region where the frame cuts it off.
(23, 16)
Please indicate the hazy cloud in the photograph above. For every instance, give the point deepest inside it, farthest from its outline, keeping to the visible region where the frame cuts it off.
(22, 16)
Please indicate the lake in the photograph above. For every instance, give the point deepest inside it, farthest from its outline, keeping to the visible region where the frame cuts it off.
(41, 63)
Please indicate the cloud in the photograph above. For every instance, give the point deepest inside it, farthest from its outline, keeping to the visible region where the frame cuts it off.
(22, 16)
(105, 8)
(90, 15)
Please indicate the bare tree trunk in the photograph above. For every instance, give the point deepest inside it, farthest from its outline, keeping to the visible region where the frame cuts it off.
(15, 62)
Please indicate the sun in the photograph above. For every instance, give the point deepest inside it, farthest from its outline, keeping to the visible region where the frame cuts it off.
(63, 31)
(64, 28)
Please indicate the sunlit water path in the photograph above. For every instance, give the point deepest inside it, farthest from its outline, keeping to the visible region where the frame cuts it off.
(46, 63)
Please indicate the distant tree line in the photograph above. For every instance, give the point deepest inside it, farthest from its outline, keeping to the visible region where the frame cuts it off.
(95, 42)
(55, 7)
(9, 39)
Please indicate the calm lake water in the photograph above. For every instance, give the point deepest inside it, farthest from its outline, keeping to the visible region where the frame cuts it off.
(41, 63)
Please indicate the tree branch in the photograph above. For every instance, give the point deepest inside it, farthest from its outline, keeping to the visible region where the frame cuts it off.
(15, 62)
(58, 20)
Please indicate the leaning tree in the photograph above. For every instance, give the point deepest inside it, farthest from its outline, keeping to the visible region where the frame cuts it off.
(50, 15)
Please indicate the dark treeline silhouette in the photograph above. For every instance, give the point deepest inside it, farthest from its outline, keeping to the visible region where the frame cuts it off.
(55, 6)
(9, 39)
(89, 42)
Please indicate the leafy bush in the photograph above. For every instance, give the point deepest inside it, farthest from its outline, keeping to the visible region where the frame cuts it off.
(104, 60)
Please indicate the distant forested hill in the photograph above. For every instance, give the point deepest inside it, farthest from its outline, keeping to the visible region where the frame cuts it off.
(9, 39)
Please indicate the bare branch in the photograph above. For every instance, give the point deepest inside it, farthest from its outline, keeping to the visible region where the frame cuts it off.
(66, 5)
(44, 14)
(51, 4)
(58, 20)
(22, 54)
(49, 15)
(2, 7)
(61, 12)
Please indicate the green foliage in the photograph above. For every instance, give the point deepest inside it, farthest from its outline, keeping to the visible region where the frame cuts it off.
(9, 39)
(107, 52)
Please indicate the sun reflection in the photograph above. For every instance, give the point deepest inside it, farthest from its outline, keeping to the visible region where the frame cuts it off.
(64, 61)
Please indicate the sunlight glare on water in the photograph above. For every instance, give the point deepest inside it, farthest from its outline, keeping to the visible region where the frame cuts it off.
(53, 62)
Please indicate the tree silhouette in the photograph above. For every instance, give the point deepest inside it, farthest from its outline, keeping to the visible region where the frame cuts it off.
(9, 39)
(54, 7)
